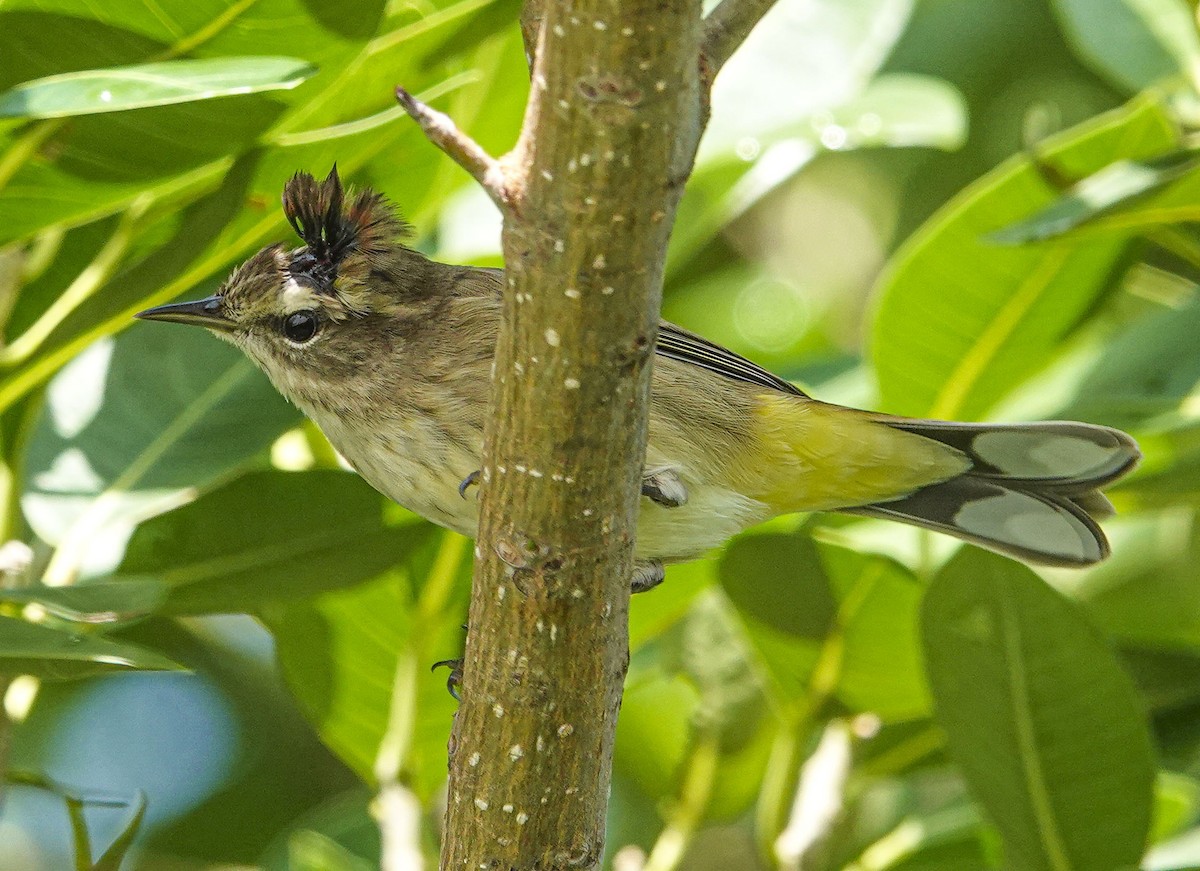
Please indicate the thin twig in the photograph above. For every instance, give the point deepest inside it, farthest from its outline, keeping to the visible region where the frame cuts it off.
(727, 27)
(531, 28)
(441, 130)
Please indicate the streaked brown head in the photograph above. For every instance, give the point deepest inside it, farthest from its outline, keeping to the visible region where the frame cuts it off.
(320, 311)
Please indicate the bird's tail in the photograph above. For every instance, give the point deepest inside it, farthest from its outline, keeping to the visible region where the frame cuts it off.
(1032, 491)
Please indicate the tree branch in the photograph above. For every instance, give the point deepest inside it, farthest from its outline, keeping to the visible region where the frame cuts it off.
(441, 130)
(727, 27)
(610, 132)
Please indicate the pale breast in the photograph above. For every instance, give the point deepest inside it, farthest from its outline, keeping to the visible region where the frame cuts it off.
(413, 464)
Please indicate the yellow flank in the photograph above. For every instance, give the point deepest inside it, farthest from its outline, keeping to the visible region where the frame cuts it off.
(814, 457)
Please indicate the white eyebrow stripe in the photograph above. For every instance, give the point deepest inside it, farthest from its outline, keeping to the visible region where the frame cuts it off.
(296, 297)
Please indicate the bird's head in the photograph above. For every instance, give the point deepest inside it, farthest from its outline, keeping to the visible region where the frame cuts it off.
(311, 317)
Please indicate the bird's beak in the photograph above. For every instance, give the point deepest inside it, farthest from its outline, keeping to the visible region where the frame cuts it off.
(207, 312)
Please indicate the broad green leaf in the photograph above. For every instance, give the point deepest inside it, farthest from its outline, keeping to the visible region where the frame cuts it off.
(928, 840)
(826, 56)
(1146, 593)
(268, 536)
(345, 653)
(1133, 43)
(785, 602)
(822, 53)
(1176, 801)
(313, 851)
(491, 18)
(133, 427)
(344, 820)
(103, 162)
(962, 320)
(53, 654)
(795, 597)
(1044, 724)
(88, 92)
(880, 669)
(1143, 372)
(97, 602)
(238, 217)
(1170, 475)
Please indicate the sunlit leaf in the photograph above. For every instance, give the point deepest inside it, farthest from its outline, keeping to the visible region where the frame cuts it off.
(345, 653)
(313, 851)
(1133, 43)
(269, 536)
(826, 55)
(1114, 188)
(100, 602)
(962, 320)
(53, 654)
(89, 92)
(1047, 729)
(1143, 372)
(105, 452)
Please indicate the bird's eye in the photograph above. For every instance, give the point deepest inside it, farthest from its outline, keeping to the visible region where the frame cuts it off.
(301, 326)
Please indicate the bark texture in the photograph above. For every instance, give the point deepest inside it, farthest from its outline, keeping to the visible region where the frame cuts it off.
(618, 100)
(590, 192)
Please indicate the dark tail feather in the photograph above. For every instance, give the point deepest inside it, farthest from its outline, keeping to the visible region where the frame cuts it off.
(1032, 491)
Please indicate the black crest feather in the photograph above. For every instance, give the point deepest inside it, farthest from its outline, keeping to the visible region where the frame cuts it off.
(331, 229)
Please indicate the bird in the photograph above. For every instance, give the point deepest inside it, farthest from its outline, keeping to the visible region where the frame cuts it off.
(388, 352)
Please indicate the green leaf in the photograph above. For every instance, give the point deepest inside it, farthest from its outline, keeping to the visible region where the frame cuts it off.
(880, 668)
(245, 173)
(698, 684)
(270, 536)
(1176, 800)
(1112, 190)
(961, 320)
(491, 18)
(104, 162)
(1045, 725)
(313, 851)
(827, 54)
(1145, 371)
(1145, 594)
(89, 92)
(114, 855)
(345, 654)
(105, 452)
(1133, 43)
(795, 596)
(98, 602)
(52, 654)
(785, 602)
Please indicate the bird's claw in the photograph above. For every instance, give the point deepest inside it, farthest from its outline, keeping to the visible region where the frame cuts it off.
(466, 483)
(664, 487)
(454, 679)
(646, 576)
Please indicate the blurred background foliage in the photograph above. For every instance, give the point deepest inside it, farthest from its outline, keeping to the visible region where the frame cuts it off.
(957, 208)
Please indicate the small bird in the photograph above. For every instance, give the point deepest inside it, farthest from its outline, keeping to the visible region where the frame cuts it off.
(389, 353)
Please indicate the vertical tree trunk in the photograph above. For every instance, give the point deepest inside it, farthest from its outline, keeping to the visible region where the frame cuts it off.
(610, 132)
(618, 98)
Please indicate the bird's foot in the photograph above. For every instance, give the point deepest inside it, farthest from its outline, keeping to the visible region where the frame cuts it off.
(647, 575)
(664, 487)
(466, 483)
(454, 679)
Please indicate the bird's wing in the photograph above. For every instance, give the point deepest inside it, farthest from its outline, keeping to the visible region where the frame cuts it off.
(676, 343)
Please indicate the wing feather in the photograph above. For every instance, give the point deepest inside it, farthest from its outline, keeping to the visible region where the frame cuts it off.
(676, 343)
